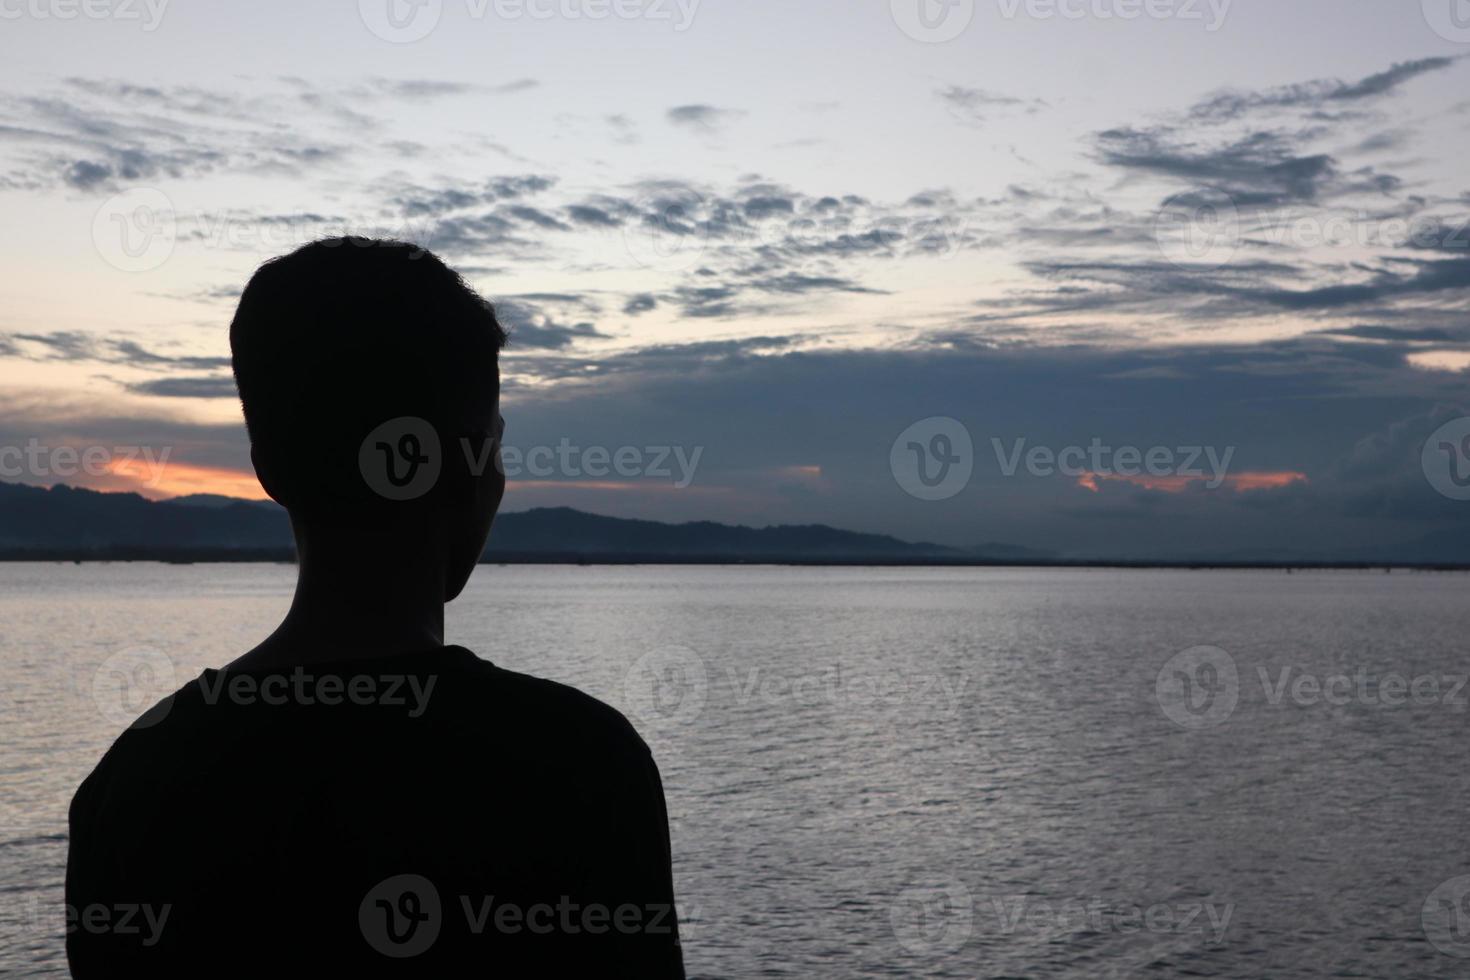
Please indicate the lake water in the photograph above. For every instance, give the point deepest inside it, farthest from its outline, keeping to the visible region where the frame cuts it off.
(907, 772)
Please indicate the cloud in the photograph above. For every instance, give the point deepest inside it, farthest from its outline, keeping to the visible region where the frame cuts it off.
(85, 174)
(1403, 335)
(759, 207)
(521, 185)
(586, 214)
(641, 303)
(57, 417)
(1426, 278)
(703, 117)
(1286, 408)
(975, 106)
(524, 212)
(419, 88)
(208, 386)
(417, 201)
(1317, 95)
(796, 284)
(99, 134)
(1259, 170)
(531, 327)
(425, 88)
(72, 345)
(480, 234)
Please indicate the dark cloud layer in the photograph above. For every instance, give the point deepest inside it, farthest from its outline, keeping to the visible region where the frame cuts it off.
(799, 434)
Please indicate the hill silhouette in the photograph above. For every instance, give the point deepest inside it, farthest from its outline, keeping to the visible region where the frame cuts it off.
(72, 523)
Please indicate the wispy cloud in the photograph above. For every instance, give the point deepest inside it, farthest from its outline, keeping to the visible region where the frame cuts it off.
(975, 106)
(1320, 95)
(702, 117)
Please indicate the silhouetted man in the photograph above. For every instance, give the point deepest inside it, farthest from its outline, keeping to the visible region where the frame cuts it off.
(352, 795)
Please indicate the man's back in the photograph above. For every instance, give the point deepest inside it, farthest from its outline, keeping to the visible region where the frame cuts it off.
(428, 814)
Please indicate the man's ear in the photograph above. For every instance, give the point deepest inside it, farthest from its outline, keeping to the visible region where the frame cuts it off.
(267, 479)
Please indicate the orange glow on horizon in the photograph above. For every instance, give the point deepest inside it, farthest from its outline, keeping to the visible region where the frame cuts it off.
(1238, 482)
(169, 479)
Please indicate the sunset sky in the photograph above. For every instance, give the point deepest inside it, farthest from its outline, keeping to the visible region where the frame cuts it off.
(782, 234)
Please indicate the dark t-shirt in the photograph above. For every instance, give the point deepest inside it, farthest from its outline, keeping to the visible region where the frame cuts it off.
(425, 815)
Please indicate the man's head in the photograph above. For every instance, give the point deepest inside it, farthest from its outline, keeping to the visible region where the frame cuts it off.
(368, 374)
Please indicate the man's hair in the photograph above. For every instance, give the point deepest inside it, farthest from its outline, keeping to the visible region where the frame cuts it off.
(345, 334)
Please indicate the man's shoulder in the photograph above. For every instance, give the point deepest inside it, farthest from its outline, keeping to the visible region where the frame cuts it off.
(553, 703)
(219, 718)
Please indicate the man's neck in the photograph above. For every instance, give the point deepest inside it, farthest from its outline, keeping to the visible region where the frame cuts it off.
(357, 600)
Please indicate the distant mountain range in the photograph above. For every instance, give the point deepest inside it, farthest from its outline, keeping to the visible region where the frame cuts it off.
(71, 523)
(68, 523)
